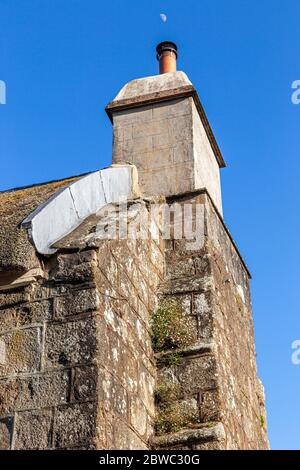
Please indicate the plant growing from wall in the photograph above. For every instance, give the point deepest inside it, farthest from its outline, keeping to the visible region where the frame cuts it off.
(173, 413)
(170, 359)
(170, 328)
(167, 392)
(262, 422)
(171, 333)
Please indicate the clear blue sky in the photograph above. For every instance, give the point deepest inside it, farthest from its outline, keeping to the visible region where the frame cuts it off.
(64, 60)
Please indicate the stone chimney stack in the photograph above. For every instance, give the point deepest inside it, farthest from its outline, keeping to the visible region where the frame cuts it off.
(160, 126)
(84, 360)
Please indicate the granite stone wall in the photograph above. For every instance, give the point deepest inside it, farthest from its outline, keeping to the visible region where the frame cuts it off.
(76, 362)
(81, 367)
(208, 393)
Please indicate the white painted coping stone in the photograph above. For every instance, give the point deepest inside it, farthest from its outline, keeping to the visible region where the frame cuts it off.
(70, 206)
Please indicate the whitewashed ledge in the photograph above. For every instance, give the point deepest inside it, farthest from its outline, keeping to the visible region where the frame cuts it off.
(70, 206)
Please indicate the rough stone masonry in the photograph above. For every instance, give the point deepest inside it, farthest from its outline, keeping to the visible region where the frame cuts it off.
(129, 342)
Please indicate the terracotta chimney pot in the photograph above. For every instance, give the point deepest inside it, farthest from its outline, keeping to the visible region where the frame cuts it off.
(166, 54)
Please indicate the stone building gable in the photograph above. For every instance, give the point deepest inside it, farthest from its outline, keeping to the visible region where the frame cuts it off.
(129, 342)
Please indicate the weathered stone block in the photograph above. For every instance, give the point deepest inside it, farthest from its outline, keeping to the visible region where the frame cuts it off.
(134, 443)
(210, 406)
(128, 149)
(2, 353)
(33, 430)
(181, 268)
(146, 388)
(75, 267)
(110, 267)
(30, 313)
(201, 304)
(197, 373)
(12, 298)
(161, 141)
(211, 445)
(78, 301)
(9, 319)
(182, 153)
(40, 311)
(38, 391)
(189, 409)
(157, 257)
(118, 355)
(153, 127)
(185, 301)
(144, 312)
(141, 145)
(172, 108)
(42, 292)
(203, 264)
(202, 307)
(21, 351)
(154, 159)
(85, 381)
(180, 128)
(138, 416)
(123, 133)
(74, 425)
(128, 291)
(70, 343)
(113, 395)
(192, 284)
(6, 425)
(138, 339)
(123, 438)
(133, 115)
